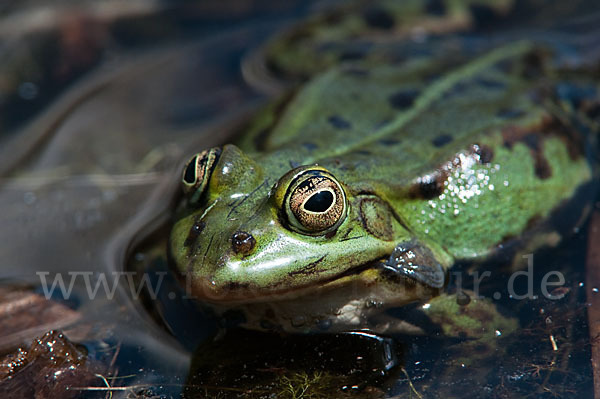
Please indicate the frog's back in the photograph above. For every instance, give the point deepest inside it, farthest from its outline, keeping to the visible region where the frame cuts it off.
(462, 149)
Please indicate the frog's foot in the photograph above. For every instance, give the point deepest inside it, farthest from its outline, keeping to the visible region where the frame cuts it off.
(416, 262)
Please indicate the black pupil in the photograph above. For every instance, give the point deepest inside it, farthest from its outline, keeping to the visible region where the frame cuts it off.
(190, 172)
(319, 202)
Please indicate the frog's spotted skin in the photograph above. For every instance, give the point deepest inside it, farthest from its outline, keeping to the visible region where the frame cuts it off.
(369, 32)
(433, 162)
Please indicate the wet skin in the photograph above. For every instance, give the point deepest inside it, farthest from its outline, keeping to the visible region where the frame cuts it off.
(360, 190)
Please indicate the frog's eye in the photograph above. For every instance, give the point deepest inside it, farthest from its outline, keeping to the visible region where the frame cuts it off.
(197, 171)
(315, 202)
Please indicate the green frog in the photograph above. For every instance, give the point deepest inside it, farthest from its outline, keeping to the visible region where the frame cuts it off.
(360, 189)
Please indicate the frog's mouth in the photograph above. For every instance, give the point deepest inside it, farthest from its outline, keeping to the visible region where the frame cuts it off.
(234, 292)
(356, 279)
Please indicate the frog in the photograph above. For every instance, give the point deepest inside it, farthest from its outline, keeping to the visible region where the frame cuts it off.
(360, 189)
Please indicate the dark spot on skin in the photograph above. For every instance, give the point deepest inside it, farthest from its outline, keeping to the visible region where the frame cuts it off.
(430, 78)
(378, 18)
(512, 135)
(309, 269)
(242, 243)
(510, 113)
(490, 84)
(435, 7)
(533, 63)
(388, 142)
(403, 99)
(338, 122)
(441, 140)
(352, 55)
(194, 233)
(573, 139)
(533, 136)
(533, 141)
(542, 167)
(396, 58)
(356, 71)
(429, 186)
(294, 164)
(482, 15)
(310, 146)
(486, 154)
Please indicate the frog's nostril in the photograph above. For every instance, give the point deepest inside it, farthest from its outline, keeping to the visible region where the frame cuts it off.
(242, 242)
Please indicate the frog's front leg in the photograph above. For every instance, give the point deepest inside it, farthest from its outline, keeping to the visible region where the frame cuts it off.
(417, 262)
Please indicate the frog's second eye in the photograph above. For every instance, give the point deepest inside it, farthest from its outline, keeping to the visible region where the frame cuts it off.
(315, 203)
(197, 171)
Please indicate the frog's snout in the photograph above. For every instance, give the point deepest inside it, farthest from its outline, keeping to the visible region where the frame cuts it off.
(242, 243)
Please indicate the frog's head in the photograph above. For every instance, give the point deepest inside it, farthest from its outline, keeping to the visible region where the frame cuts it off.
(244, 235)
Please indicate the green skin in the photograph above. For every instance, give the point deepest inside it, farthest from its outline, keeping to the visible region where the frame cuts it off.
(434, 171)
(298, 53)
